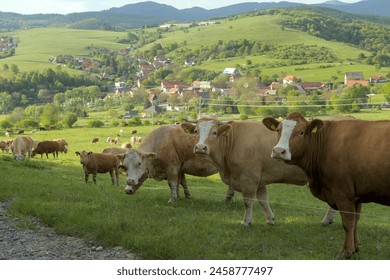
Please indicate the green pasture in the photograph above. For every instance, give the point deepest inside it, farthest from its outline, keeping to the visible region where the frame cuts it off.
(199, 228)
(37, 46)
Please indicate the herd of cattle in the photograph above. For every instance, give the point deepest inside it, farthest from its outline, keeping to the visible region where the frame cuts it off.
(344, 161)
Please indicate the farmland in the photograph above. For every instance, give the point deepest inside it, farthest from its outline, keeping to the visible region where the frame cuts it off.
(199, 228)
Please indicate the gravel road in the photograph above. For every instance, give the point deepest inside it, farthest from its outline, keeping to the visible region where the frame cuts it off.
(18, 242)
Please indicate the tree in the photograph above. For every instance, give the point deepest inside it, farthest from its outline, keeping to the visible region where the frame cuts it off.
(69, 119)
(50, 114)
(17, 115)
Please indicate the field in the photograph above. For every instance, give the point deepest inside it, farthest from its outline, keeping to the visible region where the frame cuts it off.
(200, 228)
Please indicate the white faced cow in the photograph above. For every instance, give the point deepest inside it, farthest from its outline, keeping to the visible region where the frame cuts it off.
(240, 150)
(165, 154)
(347, 163)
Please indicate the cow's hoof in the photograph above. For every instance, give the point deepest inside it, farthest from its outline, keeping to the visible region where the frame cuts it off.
(326, 223)
(345, 255)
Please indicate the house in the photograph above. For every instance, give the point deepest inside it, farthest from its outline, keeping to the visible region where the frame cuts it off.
(154, 109)
(288, 80)
(357, 82)
(201, 84)
(312, 86)
(173, 87)
(355, 76)
(232, 72)
(378, 79)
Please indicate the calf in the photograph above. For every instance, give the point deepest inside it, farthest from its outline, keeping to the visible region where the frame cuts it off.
(5, 145)
(94, 163)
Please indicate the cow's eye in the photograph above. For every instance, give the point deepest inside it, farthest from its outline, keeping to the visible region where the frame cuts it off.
(139, 164)
(301, 133)
(195, 131)
(214, 133)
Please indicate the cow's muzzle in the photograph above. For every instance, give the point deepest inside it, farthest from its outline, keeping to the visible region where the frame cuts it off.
(279, 153)
(201, 149)
(129, 190)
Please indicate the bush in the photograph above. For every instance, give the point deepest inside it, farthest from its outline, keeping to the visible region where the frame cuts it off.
(114, 123)
(69, 119)
(26, 123)
(6, 124)
(96, 123)
(243, 117)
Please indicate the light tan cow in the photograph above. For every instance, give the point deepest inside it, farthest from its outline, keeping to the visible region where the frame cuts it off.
(21, 146)
(165, 154)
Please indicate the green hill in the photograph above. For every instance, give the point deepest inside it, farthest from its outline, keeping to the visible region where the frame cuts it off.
(290, 51)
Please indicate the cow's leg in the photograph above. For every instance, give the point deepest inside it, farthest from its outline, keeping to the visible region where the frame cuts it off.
(173, 182)
(183, 182)
(358, 210)
(329, 216)
(117, 177)
(348, 218)
(94, 177)
(249, 198)
(112, 176)
(229, 195)
(262, 198)
(86, 177)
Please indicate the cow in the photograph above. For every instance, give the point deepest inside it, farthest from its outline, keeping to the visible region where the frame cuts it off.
(21, 146)
(135, 139)
(49, 147)
(134, 131)
(165, 154)
(95, 140)
(240, 150)
(5, 145)
(347, 163)
(94, 163)
(126, 145)
(21, 131)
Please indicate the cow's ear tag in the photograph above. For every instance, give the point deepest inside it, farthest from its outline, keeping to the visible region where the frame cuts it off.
(314, 130)
(273, 127)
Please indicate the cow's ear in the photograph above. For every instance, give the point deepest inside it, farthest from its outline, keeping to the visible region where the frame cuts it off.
(121, 156)
(89, 153)
(77, 153)
(150, 155)
(122, 168)
(188, 127)
(224, 129)
(315, 125)
(271, 123)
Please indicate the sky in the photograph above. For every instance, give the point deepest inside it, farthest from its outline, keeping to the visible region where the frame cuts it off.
(77, 6)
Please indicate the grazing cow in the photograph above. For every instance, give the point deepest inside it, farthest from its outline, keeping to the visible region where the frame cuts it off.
(41, 128)
(126, 145)
(135, 139)
(116, 140)
(5, 145)
(21, 131)
(108, 140)
(240, 150)
(7, 134)
(165, 154)
(21, 146)
(94, 163)
(347, 163)
(134, 131)
(95, 140)
(49, 147)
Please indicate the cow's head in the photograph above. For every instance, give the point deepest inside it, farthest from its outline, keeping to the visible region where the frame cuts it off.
(292, 135)
(84, 157)
(136, 164)
(208, 132)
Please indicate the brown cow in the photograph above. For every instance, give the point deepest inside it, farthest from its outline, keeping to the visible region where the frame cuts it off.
(240, 150)
(95, 140)
(165, 154)
(135, 139)
(94, 163)
(347, 163)
(21, 146)
(126, 145)
(49, 147)
(5, 145)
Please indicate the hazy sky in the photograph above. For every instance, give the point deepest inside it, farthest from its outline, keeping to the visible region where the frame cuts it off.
(71, 6)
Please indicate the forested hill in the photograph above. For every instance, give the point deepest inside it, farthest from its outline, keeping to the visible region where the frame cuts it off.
(152, 14)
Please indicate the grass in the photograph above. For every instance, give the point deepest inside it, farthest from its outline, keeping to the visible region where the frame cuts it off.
(199, 228)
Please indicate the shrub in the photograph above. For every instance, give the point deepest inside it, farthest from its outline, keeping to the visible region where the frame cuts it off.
(69, 119)
(96, 123)
(6, 124)
(26, 123)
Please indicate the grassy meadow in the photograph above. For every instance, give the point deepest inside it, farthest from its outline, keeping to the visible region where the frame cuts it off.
(199, 228)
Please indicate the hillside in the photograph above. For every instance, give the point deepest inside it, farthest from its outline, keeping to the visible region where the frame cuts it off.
(150, 14)
(37, 46)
